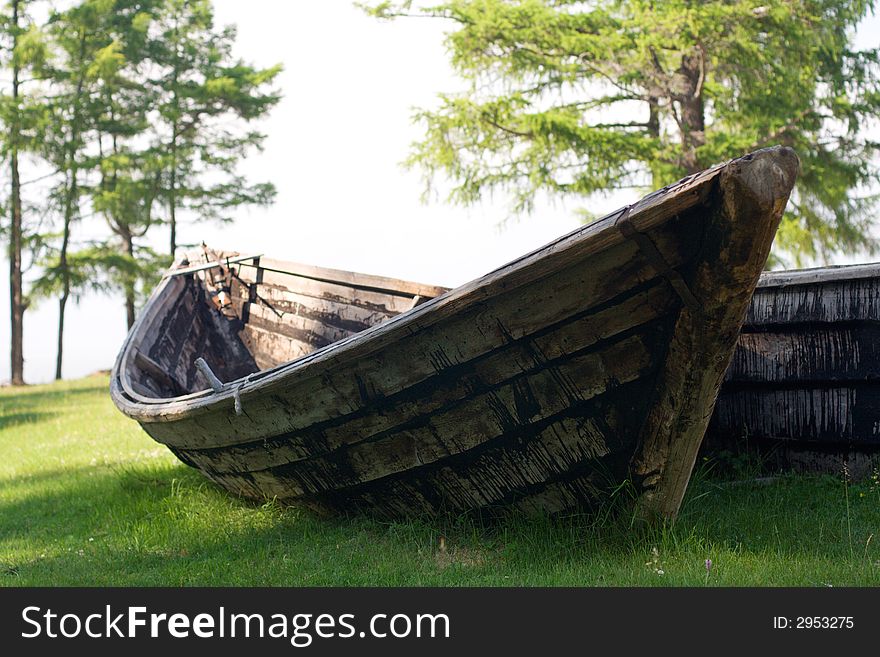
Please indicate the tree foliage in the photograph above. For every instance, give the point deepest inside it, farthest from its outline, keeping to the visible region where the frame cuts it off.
(205, 99)
(139, 113)
(572, 98)
(20, 115)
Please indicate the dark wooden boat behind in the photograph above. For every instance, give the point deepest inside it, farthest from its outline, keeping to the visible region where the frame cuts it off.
(541, 385)
(803, 388)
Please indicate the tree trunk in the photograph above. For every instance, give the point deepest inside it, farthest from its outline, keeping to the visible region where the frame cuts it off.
(128, 241)
(62, 264)
(15, 238)
(172, 200)
(172, 192)
(71, 206)
(692, 120)
(129, 307)
(653, 128)
(172, 196)
(173, 220)
(62, 302)
(15, 283)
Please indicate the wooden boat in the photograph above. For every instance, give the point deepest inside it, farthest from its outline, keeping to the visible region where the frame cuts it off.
(542, 385)
(803, 388)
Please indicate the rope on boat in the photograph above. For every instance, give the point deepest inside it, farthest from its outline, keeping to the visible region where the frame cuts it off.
(236, 397)
(657, 261)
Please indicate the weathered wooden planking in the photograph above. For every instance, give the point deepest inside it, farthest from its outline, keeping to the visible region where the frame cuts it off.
(832, 302)
(269, 283)
(555, 465)
(270, 349)
(314, 309)
(282, 270)
(544, 390)
(522, 406)
(281, 306)
(821, 275)
(308, 323)
(456, 383)
(806, 370)
(841, 414)
(342, 388)
(421, 412)
(807, 353)
(211, 336)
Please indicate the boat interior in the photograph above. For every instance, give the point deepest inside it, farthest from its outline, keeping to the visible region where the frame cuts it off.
(243, 314)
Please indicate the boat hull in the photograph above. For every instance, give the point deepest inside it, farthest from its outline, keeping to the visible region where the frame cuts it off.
(543, 385)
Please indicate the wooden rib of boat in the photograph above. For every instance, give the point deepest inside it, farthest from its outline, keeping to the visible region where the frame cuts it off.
(542, 385)
(803, 387)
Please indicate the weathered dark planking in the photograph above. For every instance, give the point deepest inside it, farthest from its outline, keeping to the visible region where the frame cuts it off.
(212, 336)
(457, 383)
(835, 414)
(807, 365)
(816, 353)
(541, 385)
(347, 387)
(577, 459)
(814, 303)
(803, 389)
(533, 397)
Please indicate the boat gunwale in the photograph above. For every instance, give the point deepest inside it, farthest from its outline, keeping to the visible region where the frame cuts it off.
(650, 212)
(342, 277)
(818, 275)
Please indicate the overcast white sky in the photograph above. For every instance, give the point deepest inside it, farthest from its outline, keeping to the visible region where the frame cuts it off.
(335, 142)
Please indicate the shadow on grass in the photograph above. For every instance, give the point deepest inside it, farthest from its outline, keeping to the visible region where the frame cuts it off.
(166, 525)
(8, 420)
(38, 404)
(15, 398)
(156, 525)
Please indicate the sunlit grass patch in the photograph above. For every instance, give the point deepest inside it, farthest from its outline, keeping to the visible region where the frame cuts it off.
(87, 498)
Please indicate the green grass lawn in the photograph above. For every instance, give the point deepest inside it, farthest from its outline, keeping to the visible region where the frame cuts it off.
(87, 498)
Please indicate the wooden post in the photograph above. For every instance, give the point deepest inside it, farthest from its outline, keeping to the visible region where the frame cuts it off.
(208, 373)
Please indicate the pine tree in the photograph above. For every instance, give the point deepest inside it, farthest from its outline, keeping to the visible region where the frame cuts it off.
(206, 98)
(572, 97)
(77, 34)
(129, 173)
(143, 116)
(20, 118)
